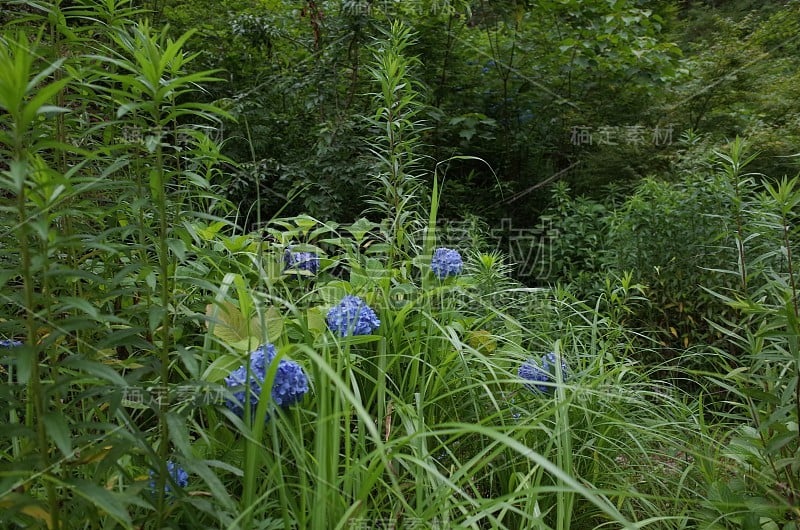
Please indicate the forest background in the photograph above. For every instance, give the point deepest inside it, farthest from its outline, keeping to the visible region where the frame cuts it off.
(586, 129)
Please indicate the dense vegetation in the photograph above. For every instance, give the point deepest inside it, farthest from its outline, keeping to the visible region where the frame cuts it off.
(494, 264)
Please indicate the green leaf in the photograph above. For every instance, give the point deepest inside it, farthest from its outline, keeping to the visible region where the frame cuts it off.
(229, 325)
(26, 356)
(779, 441)
(246, 344)
(179, 434)
(333, 292)
(43, 95)
(156, 317)
(221, 368)
(273, 324)
(316, 321)
(215, 486)
(360, 228)
(45, 109)
(103, 499)
(101, 371)
(58, 431)
(358, 339)
(209, 232)
(28, 506)
(305, 223)
(178, 247)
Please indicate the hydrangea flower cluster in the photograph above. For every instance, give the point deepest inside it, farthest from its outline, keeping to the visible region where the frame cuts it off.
(446, 262)
(288, 387)
(352, 316)
(301, 261)
(542, 371)
(178, 474)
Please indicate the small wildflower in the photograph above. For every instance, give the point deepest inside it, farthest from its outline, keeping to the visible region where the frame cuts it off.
(352, 316)
(288, 387)
(542, 371)
(177, 473)
(301, 261)
(8, 343)
(446, 262)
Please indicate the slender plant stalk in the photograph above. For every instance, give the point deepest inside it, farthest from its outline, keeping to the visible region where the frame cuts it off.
(37, 406)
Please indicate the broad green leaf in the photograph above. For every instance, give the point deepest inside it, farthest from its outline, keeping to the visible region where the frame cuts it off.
(305, 223)
(274, 324)
(178, 247)
(156, 317)
(360, 228)
(247, 344)
(228, 324)
(209, 232)
(333, 292)
(316, 321)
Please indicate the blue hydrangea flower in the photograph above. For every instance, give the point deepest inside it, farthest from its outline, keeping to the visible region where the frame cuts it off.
(288, 387)
(8, 343)
(446, 262)
(352, 317)
(542, 371)
(290, 383)
(301, 261)
(177, 473)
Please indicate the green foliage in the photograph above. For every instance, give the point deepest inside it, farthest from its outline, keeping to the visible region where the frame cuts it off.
(580, 230)
(760, 480)
(398, 178)
(134, 292)
(677, 239)
(506, 83)
(107, 159)
(741, 78)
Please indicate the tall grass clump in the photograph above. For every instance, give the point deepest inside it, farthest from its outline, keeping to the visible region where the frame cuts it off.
(422, 415)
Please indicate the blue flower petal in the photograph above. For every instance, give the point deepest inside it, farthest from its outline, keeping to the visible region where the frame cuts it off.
(288, 387)
(352, 316)
(446, 262)
(306, 261)
(542, 371)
